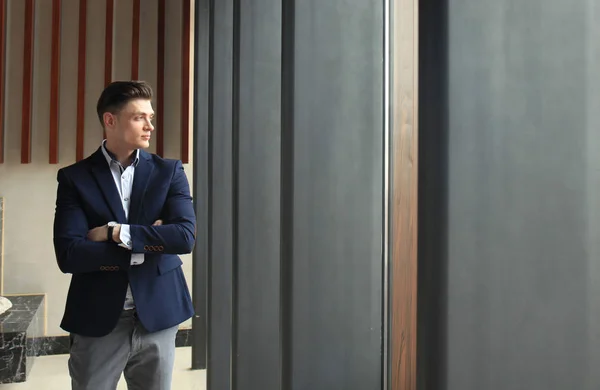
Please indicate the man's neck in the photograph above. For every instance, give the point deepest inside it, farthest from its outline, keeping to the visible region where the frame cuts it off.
(123, 156)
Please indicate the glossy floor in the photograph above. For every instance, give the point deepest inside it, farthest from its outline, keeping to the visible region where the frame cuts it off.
(50, 373)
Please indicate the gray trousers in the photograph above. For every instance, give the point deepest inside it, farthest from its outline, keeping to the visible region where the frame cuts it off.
(145, 359)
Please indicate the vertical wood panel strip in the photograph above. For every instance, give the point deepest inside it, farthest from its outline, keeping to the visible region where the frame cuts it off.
(27, 83)
(404, 157)
(2, 74)
(81, 79)
(108, 42)
(160, 80)
(135, 41)
(185, 82)
(108, 45)
(54, 82)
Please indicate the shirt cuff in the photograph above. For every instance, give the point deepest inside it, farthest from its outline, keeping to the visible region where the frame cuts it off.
(125, 237)
(137, 258)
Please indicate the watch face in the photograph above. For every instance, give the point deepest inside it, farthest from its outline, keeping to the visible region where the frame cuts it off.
(112, 224)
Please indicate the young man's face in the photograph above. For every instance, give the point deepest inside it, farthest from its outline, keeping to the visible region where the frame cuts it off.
(132, 127)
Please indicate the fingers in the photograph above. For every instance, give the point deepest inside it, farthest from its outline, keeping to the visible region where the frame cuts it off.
(158, 222)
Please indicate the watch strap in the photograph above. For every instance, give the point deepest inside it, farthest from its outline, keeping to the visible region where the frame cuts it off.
(110, 233)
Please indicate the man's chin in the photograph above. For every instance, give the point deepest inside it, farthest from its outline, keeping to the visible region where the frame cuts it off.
(144, 144)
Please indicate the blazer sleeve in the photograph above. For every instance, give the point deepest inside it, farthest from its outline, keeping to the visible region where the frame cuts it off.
(75, 253)
(178, 233)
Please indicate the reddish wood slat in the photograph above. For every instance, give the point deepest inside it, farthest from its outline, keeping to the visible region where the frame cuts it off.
(108, 45)
(135, 41)
(2, 73)
(185, 83)
(160, 81)
(108, 42)
(54, 82)
(81, 79)
(404, 202)
(27, 83)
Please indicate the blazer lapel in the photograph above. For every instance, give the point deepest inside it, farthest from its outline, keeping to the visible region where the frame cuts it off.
(106, 182)
(143, 173)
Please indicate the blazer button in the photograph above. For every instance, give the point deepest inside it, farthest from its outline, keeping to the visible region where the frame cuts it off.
(146, 247)
(102, 268)
(161, 248)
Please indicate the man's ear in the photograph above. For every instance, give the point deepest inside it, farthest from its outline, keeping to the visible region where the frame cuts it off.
(109, 119)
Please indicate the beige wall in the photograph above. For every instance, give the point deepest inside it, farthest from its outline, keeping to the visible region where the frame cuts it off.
(30, 189)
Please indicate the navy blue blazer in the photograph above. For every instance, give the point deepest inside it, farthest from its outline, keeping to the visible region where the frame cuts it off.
(87, 198)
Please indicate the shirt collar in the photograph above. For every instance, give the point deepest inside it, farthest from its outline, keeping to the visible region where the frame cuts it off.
(110, 158)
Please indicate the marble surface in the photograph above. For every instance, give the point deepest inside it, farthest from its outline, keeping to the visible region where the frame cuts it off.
(183, 338)
(21, 328)
(59, 345)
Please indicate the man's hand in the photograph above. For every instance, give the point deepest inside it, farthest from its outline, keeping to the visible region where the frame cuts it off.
(98, 234)
(158, 222)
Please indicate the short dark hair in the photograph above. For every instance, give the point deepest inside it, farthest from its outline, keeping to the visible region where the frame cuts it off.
(118, 93)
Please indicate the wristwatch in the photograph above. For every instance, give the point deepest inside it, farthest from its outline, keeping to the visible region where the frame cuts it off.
(111, 227)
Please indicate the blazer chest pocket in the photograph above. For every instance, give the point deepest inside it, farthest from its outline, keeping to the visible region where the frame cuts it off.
(168, 263)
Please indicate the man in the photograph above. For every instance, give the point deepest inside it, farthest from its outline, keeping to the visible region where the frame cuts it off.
(122, 217)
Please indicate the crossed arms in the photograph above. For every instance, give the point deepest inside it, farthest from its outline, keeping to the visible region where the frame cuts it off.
(76, 253)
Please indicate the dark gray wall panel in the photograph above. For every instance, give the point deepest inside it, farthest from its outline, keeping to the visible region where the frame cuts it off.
(200, 183)
(338, 194)
(592, 193)
(258, 257)
(295, 184)
(521, 310)
(433, 197)
(221, 178)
